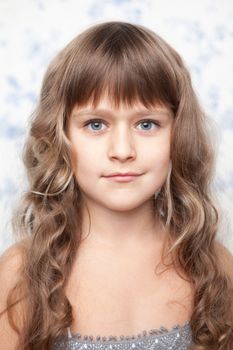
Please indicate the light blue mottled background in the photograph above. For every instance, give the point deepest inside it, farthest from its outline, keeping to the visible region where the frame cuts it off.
(33, 31)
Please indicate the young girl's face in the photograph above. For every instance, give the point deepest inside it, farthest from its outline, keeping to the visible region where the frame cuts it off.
(108, 140)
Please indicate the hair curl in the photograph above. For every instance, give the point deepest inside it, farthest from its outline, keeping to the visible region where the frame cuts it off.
(131, 63)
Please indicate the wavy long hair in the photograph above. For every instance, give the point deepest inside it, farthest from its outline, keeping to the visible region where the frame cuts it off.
(131, 63)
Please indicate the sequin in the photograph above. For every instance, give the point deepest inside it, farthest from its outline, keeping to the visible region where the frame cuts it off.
(178, 338)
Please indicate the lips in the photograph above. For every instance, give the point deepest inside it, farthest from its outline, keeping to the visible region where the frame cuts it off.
(123, 174)
(122, 177)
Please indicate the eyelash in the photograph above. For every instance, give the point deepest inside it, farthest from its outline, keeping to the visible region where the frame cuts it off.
(92, 121)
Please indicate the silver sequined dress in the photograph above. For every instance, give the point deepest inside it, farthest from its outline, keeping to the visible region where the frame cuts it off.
(178, 338)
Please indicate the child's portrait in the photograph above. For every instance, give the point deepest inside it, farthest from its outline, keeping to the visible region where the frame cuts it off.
(116, 233)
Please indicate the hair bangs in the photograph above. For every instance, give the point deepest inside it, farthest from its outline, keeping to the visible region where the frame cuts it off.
(119, 63)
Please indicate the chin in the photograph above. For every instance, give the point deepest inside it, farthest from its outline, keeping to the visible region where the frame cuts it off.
(124, 204)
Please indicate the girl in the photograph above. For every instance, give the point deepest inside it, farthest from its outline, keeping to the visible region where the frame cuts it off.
(117, 230)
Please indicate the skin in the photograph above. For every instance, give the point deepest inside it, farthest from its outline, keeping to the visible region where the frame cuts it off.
(121, 213)
(113, 286)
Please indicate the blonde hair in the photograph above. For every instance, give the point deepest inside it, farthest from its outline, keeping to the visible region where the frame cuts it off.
(131, 63)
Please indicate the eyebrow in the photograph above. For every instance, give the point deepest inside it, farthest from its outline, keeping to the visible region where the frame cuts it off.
(106, 112)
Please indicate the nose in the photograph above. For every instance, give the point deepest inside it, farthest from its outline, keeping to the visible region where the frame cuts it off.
(121, 145)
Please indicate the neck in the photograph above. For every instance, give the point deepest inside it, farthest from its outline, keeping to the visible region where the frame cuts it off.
(120, 230)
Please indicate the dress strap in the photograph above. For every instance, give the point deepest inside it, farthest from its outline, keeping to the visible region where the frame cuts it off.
(69, 332)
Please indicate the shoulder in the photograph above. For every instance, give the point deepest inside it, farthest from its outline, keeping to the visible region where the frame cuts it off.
(11, 256)
(10, 260)
(10, 263)
(225, 258)
(10, 266)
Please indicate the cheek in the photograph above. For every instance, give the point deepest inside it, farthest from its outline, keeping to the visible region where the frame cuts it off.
(159, 154)
(157, 163)
(84, 159)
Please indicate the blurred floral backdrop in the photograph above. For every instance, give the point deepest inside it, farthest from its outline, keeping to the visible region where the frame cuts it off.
(33, 31)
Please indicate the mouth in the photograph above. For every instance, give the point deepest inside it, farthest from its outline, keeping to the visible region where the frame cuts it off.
(123, 174)
(122, 177)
